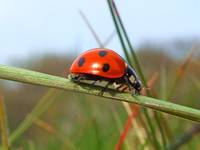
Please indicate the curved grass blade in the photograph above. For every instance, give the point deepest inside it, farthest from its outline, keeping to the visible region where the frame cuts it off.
(37, 78)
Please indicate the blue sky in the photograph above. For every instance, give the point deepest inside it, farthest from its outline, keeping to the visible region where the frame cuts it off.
(30, 27)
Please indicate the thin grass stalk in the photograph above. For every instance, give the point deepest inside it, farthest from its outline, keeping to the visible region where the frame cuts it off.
(91, 29)
(4, 126)
(119, 125)
(88, 112)
(196, 82)
(117, 20)
(136, 62)
(181, 72)
(52, 130)
(163, 95)
(118, 31)
(179, 76)
(138, 67)
(126, 128)
(37, 111)
(109, 38)
(134, 110)
(163, 83)
(185, 137)
(125, 50)
(127, 107)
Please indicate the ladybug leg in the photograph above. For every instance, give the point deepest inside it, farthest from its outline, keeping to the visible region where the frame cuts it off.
(93, 83)
(78, 79)
(125, 88)
(121, 85)
(128, 83)
(104, 88)
(81, 78)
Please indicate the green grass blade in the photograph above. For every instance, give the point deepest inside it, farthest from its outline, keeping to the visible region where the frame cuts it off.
(4, 126)
(122, 33)
(119, 32)
(196, 82)
(49, 128)
(37, 111)
(181, 72)
(91, 28)
(37, 78)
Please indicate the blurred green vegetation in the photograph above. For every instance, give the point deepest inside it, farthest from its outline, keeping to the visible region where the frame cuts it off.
(76, 121)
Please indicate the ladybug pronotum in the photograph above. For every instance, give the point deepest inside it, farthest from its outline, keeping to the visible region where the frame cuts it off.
(101, 64)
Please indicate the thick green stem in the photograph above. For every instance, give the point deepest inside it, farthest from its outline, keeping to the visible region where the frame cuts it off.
(32, 77)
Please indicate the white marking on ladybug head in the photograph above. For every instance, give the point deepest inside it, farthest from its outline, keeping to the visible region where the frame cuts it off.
(132, 79)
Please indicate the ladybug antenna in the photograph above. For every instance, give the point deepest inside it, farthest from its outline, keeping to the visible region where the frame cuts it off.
(146, 88)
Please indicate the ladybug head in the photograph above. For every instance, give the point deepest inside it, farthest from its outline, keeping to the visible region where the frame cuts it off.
(134, 79)
(137, 85)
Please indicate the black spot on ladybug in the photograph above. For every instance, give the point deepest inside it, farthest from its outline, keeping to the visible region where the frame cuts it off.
(106, 67)
(81, 61)
(102, 53)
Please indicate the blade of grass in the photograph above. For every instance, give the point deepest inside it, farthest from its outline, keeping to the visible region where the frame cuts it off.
(151, 84)
(109, 38)
(100, 43)
(163, 95)
(132, 115)
(158, 117)
(181, 72)
(118, 32)
(135, 59)
(139, 128)
(4, 126)
(196, 82)
(185, 137)
(119, 123)
(50, 129)
(126, 128)
(90, 114)
(37, 78)
(37, 111)
(117, 19)
(91, 28)
(163, 84)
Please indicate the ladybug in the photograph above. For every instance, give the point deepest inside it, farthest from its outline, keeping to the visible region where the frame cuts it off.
(102, 64)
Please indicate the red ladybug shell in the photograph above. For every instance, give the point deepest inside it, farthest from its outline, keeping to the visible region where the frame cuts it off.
(101, 62)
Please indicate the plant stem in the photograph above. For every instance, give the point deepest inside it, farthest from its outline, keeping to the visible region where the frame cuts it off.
(118, 31)
(119, 25)
(37, 78)
(3, 125)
